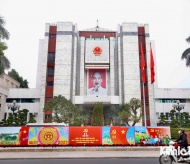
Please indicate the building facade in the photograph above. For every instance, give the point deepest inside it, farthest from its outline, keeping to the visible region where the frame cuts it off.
(94, 65)
(6, 83)
(89, 66)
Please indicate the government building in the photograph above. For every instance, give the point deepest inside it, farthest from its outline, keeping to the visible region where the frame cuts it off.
(95, 65)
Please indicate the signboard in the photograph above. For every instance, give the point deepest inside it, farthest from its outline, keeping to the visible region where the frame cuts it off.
(85, 135)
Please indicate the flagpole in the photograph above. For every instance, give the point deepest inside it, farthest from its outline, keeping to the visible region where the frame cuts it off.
(144, 105)
(155, 118)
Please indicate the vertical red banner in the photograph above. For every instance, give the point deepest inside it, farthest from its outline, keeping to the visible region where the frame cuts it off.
(23, 135)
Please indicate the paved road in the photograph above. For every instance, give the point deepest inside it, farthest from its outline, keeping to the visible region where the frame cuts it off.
(84, 161)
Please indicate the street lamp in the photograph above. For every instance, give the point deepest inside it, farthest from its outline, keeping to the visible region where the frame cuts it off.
(178, 107)
(13, 107)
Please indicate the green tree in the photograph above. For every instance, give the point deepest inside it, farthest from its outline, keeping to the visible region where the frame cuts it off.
(186, 54)
(4, 34)
(64, 111)
(32, 119)
(16, 119)
(185, 119)
(131, 112)
(109, 113)
(163, 121)
(14, 74)
(97, 115)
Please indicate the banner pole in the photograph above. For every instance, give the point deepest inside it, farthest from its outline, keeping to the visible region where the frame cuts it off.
(155, 118)
(144, 105)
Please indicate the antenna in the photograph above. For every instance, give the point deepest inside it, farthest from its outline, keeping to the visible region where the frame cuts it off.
(97, 27)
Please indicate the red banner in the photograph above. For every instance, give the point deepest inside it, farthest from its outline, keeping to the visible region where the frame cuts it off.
(85, 135)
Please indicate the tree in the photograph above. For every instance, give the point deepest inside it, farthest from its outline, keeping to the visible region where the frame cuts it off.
(97, 115)
(163, 121)
(131, 112)
(109, 114)
(186, 54)
(4, 34)
(63, 111)
(14, 74)
(17, 119)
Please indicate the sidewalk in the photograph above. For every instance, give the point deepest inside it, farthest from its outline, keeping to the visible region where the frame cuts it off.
(79, 152)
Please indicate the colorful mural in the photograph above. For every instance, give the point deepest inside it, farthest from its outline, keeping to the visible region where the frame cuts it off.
(152, 135)
(84, 136)
(9, 136)
(48, 136)
(118, 135)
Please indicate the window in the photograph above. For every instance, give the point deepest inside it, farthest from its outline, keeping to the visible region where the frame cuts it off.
(51, 57)
(47, 116)
(167, 116)
(5, 115)
(52, 35)
(171, 100)
(10, 100)
(27, 100)
(50, 83)
(50, 71)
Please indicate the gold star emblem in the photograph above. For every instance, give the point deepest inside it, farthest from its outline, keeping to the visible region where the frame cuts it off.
(123, 131)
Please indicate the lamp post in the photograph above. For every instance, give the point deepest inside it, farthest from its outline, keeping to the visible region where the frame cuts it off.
(177, 106)
(13, 107)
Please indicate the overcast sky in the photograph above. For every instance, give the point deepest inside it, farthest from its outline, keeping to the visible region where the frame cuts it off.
(169, 26)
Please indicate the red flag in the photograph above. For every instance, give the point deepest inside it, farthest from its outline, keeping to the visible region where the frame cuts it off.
(143, 65)
(152, 66)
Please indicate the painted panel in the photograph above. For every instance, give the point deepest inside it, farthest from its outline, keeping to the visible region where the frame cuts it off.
(85, 135)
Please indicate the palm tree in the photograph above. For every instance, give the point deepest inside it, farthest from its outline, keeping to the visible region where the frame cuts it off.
(4, 34)
(186, 54)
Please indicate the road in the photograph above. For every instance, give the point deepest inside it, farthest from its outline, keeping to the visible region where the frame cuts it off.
(83, 161)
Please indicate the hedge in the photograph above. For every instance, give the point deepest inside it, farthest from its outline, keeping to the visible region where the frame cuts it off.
(174, 132)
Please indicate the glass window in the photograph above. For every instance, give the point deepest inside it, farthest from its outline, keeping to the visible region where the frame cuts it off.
(47, 116)
(50, 83)
(5, 115)
(52, 35)
(50, 72)
(51, 57)
(10, 100)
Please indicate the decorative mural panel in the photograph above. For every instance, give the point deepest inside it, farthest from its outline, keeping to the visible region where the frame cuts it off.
(118, 135)
(97, 51)
(97, 82)
(9, 136)
(48, 135)
(152, 135)
(84, 135)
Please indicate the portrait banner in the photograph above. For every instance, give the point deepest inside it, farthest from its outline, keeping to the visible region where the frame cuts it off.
(97, 82)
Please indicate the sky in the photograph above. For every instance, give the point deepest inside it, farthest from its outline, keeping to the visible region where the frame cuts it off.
(169, 26)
